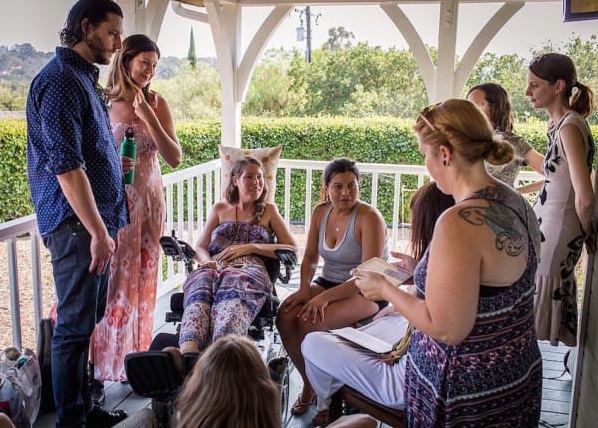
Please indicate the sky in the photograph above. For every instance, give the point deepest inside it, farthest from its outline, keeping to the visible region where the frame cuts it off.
(38, 22)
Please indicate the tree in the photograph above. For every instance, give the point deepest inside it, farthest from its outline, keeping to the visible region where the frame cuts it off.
(585, 57)
(22, 62)
(338, 38)
(359, 81)
(509, 71)
(268, 94)
(192, 94)
(191, 56)
(13, 95)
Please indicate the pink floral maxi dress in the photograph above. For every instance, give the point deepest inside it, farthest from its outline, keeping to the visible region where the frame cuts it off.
(128, 322)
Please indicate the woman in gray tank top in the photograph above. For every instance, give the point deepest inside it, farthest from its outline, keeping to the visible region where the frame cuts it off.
(344, 232)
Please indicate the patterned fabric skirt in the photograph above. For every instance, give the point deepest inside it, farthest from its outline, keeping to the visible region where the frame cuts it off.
(488, 389)
(219, 302)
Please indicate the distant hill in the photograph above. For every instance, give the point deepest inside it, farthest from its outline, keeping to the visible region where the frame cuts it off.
(20, 63)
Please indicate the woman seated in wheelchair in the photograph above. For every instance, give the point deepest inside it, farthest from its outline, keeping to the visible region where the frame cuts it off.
(344, 232)
(227, 290)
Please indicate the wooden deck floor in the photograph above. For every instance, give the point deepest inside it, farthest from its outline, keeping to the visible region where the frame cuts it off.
(556, 393)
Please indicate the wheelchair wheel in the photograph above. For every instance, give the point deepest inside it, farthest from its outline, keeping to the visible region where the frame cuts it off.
(279, 371)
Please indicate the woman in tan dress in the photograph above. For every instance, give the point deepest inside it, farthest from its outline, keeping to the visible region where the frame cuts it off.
(565, 204)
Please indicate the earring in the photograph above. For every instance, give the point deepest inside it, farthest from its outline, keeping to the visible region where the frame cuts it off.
(444, 163)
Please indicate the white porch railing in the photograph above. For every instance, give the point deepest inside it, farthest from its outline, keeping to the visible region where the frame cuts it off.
(189, 194)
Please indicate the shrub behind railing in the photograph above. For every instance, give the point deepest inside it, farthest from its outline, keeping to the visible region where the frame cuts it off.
(15, 199)
(375, 140)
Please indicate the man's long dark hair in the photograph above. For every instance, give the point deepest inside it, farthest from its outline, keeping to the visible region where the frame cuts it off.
(96, 11)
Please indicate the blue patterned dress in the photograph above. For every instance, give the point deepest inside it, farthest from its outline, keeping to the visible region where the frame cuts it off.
(223, 301)
(494, 377)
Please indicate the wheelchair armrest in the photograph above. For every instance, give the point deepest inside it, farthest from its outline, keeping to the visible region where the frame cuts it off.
(173, 317)
(179, 250)
(176, 301)
(176, 307)
(289, 259)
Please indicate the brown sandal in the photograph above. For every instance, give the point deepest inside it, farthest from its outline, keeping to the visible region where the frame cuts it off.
(321, 419)
(301, 407)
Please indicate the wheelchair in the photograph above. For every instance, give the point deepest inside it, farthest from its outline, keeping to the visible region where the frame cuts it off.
(153, 374)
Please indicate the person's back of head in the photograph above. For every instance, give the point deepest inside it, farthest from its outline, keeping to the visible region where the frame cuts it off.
(94, 11)
(427, 204)
(553, 67)
(500, 112)
(230, 386)
(462, 127)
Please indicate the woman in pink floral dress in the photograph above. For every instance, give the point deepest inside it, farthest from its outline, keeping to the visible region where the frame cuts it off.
(128, 322)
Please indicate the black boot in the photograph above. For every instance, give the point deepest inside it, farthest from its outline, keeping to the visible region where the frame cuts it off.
(100, 418)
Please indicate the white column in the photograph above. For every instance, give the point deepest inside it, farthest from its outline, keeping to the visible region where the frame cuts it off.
(225, 21)
(145, 17)
(447, 49)
(448, 79)
(235, 67)
(129, 8)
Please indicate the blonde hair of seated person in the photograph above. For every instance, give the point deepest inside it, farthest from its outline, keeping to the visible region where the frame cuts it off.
(230, 386)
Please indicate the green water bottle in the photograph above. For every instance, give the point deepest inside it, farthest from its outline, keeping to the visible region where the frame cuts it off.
(128, 148)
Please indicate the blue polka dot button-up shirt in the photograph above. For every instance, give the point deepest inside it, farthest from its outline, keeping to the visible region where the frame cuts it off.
(68, 127)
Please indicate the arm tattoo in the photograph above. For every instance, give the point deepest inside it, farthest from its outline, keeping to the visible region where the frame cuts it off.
(501, 221)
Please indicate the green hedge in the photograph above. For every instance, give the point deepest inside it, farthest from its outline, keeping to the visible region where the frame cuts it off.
(377, 140)
(15, 199)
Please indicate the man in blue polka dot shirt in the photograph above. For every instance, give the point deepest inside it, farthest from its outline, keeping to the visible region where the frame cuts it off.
(78, 192)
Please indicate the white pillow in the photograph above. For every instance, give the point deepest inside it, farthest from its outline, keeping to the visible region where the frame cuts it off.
(268, 156)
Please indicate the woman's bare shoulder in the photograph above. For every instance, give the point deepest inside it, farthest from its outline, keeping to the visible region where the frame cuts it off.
(318, 213)
(468, 215)
(221, 207)
(271, 206)
(321, 208)
(476, 221)
(368, 211)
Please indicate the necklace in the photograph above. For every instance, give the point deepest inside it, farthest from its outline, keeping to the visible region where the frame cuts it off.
(338, 227)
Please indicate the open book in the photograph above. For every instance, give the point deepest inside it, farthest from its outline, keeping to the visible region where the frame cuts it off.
(394, 274)
(365, 340)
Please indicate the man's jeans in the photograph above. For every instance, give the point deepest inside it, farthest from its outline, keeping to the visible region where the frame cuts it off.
(81, 301)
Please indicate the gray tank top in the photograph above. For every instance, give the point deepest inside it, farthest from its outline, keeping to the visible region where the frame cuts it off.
(339, 261)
